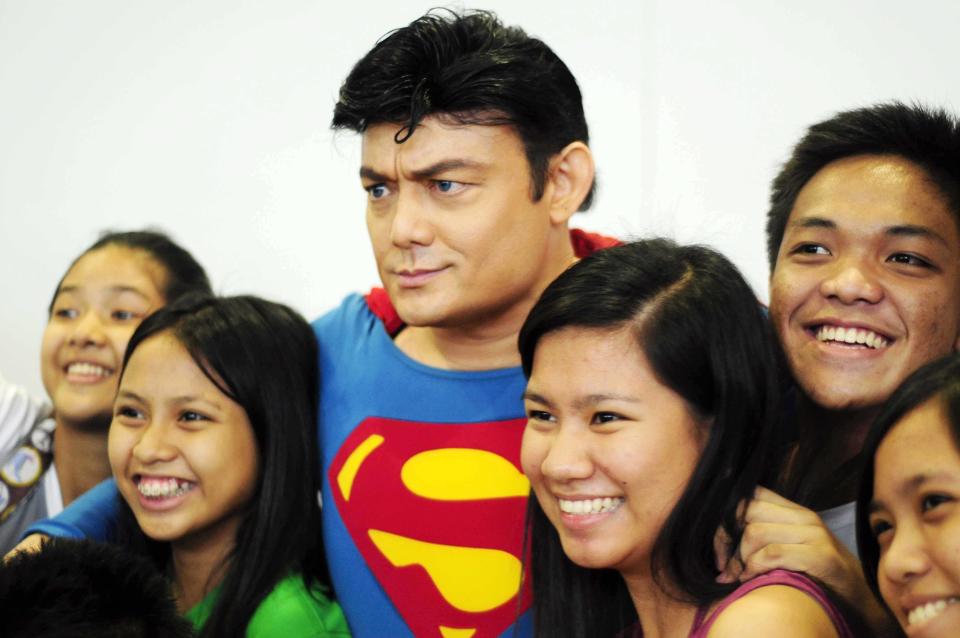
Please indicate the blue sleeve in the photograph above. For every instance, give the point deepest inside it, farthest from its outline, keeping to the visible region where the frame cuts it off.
(94, 515)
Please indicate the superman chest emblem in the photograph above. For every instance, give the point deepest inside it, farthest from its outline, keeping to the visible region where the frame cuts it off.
(437, 511)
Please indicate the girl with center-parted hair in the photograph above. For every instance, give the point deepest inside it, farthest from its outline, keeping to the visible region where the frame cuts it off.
(213, 449)
(908, 518)
(652, 404)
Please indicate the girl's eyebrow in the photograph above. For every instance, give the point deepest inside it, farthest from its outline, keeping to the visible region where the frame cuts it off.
(128, 394)
(192, 398)
(118, 289)
(178, 400)
(529, 395)
(914, 483)
(583, 402)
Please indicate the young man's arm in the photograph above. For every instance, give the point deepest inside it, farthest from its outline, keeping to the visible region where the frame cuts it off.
(94, 515)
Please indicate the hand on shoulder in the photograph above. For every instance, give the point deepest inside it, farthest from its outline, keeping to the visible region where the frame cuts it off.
(781, 534)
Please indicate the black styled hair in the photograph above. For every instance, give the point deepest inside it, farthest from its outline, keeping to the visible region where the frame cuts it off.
(184, 275)
(468, 68)
(263, 356)
(940, 379)
(707, 338)
(86, 590)
(928, 137)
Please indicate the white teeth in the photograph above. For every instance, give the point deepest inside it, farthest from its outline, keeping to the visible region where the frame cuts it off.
(590, 505)
(929, 611)
(163, 488)
(851, 335)
(88, 370)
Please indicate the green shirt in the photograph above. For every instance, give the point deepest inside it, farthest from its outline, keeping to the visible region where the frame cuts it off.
(289, 611)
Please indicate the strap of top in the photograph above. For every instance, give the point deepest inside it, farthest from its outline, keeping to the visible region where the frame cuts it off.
(702, 623)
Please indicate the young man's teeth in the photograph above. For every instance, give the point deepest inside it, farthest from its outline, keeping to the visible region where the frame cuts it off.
(163, 488)
(87, 370)
(590, 505)
(868, 338)
(925, 613)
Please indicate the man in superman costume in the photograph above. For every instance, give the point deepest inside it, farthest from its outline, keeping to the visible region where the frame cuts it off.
(474, 159)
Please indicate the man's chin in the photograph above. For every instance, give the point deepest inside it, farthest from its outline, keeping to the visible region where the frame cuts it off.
(420, 315)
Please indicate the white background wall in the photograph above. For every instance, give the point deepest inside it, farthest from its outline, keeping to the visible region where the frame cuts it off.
(208, 118)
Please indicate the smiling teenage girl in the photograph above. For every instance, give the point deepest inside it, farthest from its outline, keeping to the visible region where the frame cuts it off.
(213, 450)
(651, 400)
(104, 295)
(908, 524)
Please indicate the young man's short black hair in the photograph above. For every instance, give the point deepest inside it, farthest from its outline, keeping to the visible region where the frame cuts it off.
(471, 69)
(928, 137)
(85, 589)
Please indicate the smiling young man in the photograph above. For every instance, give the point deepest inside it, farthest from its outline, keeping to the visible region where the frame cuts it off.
(864, 244)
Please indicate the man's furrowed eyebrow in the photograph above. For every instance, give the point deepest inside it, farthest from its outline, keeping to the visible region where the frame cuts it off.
(443, 166)
(916, 230)
(374, 176)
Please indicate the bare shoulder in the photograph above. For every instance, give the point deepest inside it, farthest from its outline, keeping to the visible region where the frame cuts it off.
(775, 610)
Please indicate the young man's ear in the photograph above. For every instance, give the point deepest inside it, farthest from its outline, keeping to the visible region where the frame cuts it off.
(570, 177)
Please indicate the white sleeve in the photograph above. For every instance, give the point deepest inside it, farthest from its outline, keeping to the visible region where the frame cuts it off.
(18, 412)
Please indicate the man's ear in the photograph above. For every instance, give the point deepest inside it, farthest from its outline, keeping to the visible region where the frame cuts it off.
(570, 175)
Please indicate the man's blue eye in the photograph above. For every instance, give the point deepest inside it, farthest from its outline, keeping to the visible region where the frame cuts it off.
(444, 186)
(377, 191)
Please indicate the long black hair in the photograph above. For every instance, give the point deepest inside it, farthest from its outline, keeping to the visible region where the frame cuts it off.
(940, 378)
(262, 355)
(707, 338)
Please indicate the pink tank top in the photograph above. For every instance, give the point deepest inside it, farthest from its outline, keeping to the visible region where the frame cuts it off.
(701, 625)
